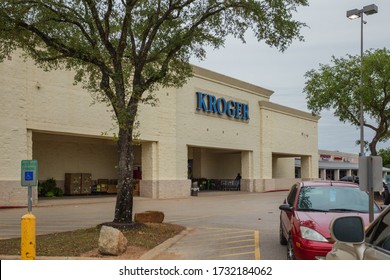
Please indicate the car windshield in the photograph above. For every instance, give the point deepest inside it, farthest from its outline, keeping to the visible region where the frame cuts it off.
(333, 199)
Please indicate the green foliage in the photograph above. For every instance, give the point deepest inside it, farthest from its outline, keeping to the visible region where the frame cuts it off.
(338, 87)
(49, 188)
(385, 154)
(143, 44)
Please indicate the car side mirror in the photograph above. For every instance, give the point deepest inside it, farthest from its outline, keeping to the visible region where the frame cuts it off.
(349, 229)
(286, 207)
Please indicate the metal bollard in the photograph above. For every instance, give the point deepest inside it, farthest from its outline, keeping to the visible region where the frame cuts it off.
(28, 237)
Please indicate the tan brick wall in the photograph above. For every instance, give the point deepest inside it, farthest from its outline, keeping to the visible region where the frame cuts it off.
(12, 194)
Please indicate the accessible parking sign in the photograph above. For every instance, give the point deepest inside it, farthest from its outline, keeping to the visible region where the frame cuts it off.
(29, 173)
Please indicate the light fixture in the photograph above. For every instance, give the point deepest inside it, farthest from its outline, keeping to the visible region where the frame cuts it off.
(368, 10)
(353, 14)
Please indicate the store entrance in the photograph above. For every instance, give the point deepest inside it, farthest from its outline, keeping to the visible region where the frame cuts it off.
(214, 169)
(77, 165)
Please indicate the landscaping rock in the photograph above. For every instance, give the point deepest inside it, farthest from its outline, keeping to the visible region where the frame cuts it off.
(111, 241)
(149, 217)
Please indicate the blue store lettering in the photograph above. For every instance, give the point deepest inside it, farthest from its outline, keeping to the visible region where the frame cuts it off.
(210, 104)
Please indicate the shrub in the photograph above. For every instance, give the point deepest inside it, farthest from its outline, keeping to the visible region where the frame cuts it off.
(49, 188)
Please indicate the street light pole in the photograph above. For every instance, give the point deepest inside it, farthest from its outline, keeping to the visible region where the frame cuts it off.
(361, 85)
(354, 14)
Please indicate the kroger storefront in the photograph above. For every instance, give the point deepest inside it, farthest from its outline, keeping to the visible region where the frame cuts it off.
(212, 128)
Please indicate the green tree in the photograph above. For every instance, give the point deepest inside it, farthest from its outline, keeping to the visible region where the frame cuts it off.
(385, 154)
(338, 87)
(123, 50)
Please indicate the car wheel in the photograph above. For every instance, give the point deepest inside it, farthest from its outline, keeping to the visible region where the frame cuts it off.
(386, 198)
(282, 239)
(290, 250)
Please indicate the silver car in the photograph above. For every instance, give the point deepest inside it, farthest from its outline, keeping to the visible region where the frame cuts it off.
(355, 243)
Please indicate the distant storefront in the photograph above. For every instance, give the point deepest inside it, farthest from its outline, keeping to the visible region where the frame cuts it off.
(334, 165)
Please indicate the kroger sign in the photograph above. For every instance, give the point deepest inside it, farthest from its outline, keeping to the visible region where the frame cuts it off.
(210, 104)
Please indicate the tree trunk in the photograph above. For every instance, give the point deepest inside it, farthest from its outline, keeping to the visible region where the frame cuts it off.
(373, 144)
(124, 201)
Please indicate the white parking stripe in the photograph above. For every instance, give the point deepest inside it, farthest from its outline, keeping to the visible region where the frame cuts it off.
(219, 243)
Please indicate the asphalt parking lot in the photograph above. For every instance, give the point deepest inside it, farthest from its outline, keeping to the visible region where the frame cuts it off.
(222, 225)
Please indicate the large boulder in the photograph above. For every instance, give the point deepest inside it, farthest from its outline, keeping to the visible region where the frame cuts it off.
(112, 241)
(149, 217)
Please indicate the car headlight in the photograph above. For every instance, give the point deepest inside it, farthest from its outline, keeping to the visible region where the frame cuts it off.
(311, 234)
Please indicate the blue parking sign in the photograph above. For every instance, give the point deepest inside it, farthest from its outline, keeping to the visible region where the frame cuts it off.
(29, 173)
(28, 176)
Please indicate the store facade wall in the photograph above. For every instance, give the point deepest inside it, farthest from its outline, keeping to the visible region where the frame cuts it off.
(15, 139)
(220, 146)
(222, 125)
(45, 114)
(286, 133)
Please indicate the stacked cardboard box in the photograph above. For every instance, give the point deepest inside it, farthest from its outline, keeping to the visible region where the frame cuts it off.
(136, 190)
(112, 186)
(102, 185)
(77, 183)
(72, 183)
(86, 183)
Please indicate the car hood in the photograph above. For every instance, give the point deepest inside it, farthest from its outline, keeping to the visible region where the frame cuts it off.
(320, 221)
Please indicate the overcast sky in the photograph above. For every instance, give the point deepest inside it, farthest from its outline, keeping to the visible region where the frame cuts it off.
(329, 33)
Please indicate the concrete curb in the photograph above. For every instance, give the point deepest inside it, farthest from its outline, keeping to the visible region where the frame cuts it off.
(159, 249)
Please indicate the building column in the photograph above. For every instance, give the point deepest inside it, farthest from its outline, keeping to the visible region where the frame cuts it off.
(29, 145)
(247, 171)
(337, 174)
(306, 167)
(149, 183)
(164, 171)
(30, 156)
(323, 174)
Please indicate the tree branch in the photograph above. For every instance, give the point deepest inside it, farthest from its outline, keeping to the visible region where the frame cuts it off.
(104, 34)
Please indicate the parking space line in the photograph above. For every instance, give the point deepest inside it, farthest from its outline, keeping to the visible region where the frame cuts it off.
(224, 233)
(221, 249)
(237, 254)
(220, 243)
(205, 239)
(257, 245)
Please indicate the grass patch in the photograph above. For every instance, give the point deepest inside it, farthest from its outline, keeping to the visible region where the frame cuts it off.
(74, 243)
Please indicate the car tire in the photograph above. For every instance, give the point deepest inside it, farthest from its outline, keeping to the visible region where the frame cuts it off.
(290, 250)
(386, 197)
(282, 239)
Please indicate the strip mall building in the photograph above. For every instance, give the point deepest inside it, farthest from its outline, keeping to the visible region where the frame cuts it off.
(213, 127)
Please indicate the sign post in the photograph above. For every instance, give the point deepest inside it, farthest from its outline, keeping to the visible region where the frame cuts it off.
(29, 178)
(370, 178)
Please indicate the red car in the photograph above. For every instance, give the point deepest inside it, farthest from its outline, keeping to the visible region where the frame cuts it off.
(308, 211)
